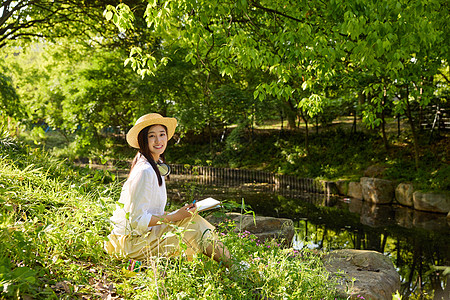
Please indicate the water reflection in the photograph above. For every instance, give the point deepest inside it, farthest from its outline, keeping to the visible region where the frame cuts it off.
(415, 241)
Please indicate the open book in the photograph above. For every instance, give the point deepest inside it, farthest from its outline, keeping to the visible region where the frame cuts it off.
(207, 204)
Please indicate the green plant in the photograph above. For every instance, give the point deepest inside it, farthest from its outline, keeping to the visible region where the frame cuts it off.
(54, 219)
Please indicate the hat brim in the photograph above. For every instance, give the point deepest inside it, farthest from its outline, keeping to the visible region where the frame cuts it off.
(169, 123)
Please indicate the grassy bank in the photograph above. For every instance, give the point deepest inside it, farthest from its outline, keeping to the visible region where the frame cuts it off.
(53, 222)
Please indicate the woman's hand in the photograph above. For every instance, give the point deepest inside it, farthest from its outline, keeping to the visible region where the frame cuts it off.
(186, 211)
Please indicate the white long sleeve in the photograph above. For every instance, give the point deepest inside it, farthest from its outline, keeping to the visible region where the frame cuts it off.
(141, 198)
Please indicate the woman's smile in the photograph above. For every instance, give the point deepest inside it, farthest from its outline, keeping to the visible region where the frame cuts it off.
(157, 140)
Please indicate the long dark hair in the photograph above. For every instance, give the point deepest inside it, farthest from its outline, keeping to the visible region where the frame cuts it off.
(145, 151)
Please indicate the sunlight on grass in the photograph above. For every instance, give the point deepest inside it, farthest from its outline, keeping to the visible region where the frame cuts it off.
(53, 222)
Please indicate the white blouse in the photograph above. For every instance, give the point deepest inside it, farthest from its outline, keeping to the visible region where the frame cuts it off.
(140, 199)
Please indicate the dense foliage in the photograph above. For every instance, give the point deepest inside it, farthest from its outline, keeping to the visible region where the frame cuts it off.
(390, 53)
(215, 65)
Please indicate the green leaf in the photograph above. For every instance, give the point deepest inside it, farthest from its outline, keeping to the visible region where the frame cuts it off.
(108, 15)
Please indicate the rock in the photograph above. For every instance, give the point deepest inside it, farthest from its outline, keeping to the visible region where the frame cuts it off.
(374, 274)
(432, 202)
(355, 190)
(265, 227)
(342, 187)
(375, 171)
(377, 190)
(404, 194)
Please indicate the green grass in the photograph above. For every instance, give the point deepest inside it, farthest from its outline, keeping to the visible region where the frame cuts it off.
(54, 219)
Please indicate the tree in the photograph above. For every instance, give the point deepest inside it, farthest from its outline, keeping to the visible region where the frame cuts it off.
(234, 37)
(304, 45)
(24, 20)
(73, 88)
(9, 100)
(68, 71)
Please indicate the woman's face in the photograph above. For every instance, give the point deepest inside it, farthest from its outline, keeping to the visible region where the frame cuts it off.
(157, 140)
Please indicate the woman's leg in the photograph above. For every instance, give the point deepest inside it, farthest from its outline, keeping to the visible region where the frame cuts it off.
(219, 253)
(199, 236)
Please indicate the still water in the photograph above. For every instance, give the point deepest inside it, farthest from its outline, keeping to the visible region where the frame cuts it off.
(418, 243)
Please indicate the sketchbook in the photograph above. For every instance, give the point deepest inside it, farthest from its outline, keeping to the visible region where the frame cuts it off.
(207, 204)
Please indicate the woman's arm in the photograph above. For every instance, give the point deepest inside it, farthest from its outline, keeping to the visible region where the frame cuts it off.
(185, 212)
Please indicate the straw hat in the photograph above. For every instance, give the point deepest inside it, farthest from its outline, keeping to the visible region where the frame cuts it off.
(148, 120)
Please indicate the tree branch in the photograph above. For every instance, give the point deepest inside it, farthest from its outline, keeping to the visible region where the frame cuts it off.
(443, 75)
(257, 5)
(49, 16)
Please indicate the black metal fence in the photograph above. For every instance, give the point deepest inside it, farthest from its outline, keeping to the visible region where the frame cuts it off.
(230, 177)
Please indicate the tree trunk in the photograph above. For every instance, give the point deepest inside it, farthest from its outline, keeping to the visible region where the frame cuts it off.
(253, 123)
(210, 138)
(317, 125)
(282, 119)
(361, 101)
(354, 123)
(383, 126)
(413, 129)
(291, 114)
(306, 131)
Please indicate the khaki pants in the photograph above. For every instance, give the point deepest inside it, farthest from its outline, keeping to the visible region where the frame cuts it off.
(163, 240)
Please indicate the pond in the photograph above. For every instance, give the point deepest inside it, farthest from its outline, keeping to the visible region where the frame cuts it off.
(418, 243)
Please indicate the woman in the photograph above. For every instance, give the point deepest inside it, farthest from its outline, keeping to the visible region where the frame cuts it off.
(142, 228)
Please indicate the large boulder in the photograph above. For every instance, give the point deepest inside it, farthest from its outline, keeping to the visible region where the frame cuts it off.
(433, 202)
(404, 194)
(377, 190)
(354, 190)
(374, 274)
(262, 227)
